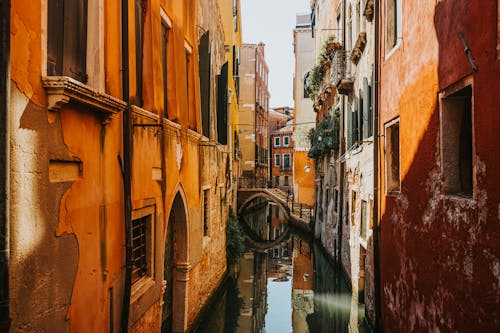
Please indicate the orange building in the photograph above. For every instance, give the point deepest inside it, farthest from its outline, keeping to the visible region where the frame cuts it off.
(120, 164)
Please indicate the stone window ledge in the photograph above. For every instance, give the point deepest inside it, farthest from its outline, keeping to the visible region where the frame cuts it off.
(62, 90)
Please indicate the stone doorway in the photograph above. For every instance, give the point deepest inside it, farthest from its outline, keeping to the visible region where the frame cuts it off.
(176, 269)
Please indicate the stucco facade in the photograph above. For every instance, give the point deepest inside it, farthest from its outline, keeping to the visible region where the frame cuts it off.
(304, 116)
(67, 206)
(439, 244)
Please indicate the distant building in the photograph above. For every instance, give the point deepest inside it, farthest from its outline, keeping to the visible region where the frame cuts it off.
(253, 115)
(281, 148)
(304, 116)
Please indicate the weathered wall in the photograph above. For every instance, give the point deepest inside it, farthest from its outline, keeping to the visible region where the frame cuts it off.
(67, 234)
(439, 253)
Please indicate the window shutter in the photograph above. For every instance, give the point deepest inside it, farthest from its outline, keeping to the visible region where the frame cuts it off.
(222, 105)
(366, 109)
(204, 73)
(164, 41)
(55, 32)
(349, 126)
(140, 11)
(75, 39)
(355, 124)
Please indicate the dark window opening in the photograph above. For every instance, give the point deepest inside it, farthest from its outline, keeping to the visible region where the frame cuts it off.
(456, 136)
(222, 124)
(164, 50)
(206, 212)
(140, 17)
(140, 229)
(204, 73)
(67, 39)
(392, 157)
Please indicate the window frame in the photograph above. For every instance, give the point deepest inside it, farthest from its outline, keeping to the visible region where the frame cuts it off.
(277, 141)
(277, 158)
(147, 211)
(286, 144)
(445, 93)
(289, 161)
(386, 127)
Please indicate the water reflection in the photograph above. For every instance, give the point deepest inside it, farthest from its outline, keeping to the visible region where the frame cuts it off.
(283, 285)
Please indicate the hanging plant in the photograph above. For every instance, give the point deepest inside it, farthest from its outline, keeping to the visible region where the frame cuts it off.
(325, 137)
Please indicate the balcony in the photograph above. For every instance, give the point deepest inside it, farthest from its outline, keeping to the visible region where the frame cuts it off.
(341, 72)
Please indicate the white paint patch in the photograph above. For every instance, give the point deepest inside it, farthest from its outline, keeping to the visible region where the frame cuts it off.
(27, 217)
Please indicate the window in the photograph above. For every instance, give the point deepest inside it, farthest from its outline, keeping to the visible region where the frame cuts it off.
(277, 141)
(286, 181)
(456, 141)
(140, 18)
(364, 218)
(222, 128)
(164, 63)
(276, 180)
(142, 246)
(306, 94)
(393, 23)
(393, 183)
(277, 159)
(206, 212)
(286, 141)
(67, 39)
(276, 233)
(286, 161)
(336, 200)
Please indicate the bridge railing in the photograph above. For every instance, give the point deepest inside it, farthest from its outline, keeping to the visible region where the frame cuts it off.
(253, 182)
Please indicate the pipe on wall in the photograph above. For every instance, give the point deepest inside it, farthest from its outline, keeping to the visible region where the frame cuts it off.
(376, 176)
(127, 197)
(4, 162)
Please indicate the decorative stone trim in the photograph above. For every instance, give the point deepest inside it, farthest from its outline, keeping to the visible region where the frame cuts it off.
(369, 10)
(144, 113)
(62, 90)
(358, 49)
(194, 136)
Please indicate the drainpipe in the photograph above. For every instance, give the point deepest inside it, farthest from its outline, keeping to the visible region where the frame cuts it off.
(4, 162)
(376, 170)
(342, 146)
(126, 169)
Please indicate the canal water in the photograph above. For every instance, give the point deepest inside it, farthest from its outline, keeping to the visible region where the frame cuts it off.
(285, 283)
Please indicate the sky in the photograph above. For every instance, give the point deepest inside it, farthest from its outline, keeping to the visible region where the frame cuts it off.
(272, 22)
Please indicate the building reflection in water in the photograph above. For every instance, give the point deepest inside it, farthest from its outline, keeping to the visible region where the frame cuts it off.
(258, 300)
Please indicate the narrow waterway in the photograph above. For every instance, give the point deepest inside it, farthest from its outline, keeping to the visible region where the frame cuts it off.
(285, 283)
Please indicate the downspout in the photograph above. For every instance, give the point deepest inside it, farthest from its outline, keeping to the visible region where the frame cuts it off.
(126, 169)
(376, 170)
(342, 146)
(4, 162)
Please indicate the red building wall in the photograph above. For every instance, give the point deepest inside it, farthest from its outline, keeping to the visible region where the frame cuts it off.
(440, 253)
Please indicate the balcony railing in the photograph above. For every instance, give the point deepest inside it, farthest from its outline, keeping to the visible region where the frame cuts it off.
(342, 75)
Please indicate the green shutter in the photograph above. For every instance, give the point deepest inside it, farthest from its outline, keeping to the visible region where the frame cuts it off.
(366, 109)
(349, 126)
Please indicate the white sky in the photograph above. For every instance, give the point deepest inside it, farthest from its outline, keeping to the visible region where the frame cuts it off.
(272, 22)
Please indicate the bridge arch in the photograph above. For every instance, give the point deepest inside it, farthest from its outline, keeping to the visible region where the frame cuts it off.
(262, 194)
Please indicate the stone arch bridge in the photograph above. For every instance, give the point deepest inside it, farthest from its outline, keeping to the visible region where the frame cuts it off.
(296, 215)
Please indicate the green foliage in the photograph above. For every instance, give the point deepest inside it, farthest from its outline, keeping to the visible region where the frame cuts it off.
(325, 137)
(313, 80)
(235, 246)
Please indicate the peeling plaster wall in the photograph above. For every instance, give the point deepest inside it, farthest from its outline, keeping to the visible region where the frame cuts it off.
(439, 253)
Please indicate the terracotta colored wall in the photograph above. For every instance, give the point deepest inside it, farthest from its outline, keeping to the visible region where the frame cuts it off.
(67, 234)
(439, 254)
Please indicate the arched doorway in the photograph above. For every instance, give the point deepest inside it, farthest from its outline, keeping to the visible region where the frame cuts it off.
(176, 269)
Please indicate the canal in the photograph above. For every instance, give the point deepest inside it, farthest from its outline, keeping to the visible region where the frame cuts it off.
(284, 283)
